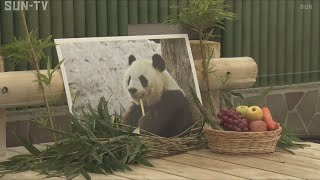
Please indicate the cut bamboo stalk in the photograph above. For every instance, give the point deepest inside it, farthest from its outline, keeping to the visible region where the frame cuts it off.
(20, 89)
(2, 119)
(241, 73)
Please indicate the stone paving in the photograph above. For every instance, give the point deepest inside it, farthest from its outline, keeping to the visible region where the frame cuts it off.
(295, 106)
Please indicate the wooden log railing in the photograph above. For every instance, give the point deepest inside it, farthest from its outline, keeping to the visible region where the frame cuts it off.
(19, 88)
(2, 119)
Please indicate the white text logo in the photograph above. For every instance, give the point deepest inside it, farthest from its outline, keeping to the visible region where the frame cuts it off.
(25, 5)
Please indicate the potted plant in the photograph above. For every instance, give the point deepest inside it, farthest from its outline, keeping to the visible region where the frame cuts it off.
(201, 17)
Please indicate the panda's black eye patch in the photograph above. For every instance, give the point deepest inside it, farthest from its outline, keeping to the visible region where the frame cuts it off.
(129, 80)
(143, 81)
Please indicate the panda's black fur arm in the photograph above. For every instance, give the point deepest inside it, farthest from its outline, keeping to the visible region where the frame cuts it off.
(132, 117)
(170, 116)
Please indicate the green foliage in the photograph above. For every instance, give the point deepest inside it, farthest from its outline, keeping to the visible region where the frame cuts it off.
(200, 15)
(31, 49)
(289, 141)
(95, 144)
(47, 78)
(22, 51)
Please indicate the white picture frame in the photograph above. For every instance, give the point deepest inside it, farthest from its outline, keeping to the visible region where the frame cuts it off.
(61, 42)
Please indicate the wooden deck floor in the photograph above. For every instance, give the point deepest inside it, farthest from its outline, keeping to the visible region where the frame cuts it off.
(203, 164)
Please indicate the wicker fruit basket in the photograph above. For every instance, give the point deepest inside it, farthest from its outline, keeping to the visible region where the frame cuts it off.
(231, 142)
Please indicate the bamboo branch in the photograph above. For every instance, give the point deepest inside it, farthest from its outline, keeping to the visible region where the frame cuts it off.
(212, 120)
(34, 60)
(205, 71)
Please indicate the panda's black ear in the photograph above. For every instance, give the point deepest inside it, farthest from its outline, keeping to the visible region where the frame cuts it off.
(158, 62)
(131, 59)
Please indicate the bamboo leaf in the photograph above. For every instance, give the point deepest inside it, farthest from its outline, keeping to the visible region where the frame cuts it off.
(145, 162)
(57, 67)
(240, 96)
(85, 174)
(32, 149)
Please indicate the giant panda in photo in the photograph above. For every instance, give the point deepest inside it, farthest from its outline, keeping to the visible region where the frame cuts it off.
(168, 112)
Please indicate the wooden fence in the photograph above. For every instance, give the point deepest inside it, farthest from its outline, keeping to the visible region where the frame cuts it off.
(283, 36)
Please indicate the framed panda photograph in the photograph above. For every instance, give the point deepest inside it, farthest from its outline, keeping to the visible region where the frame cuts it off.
(146, 79)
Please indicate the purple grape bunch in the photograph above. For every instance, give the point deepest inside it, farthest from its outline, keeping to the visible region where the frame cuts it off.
(231, 120)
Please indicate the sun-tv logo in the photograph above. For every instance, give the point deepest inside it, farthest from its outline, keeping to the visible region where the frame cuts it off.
(25, 5)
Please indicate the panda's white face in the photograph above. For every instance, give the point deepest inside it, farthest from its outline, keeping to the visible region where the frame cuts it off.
(143, 80)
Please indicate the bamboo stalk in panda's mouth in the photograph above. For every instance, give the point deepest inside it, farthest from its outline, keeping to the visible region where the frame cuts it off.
(142, 107)
(137, 131)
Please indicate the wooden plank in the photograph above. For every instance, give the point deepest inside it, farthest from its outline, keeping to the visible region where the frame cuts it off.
(32, 16)
(139, 172)
(281, 34)
(306, 31)
(182, 3)
(246, 41)
(28, 175)
(133, 11)
(227, 38)
(225, 167)
(315, 42)
(91, 18)
(79, 18)
(272, 43)
(163, 10)
(19, 32)
(289, 51)
(7, 33)
(315, 146)
(8, 155)
(153, 11)
(255, 32)
(102, 25)
(3, 120)
(123, 17)
(45, 31)
(30, 114)
(35, 176)
(14, 151)
(144, 173)
(298, 26)
(143, 11)
(289, 169)
(56, 26)
(291, 159)
(112, 17)
(237, 25)
(311, 153)
(173, 10)
(263, 66)
(188, 171)
(68, 18)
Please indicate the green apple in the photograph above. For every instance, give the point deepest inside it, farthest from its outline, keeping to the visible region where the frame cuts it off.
(254, 113)
(243, 110)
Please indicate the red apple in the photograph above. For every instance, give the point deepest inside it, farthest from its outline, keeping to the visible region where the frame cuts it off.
(258, 126)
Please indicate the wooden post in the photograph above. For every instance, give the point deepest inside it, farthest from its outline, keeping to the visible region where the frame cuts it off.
(2, 118)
